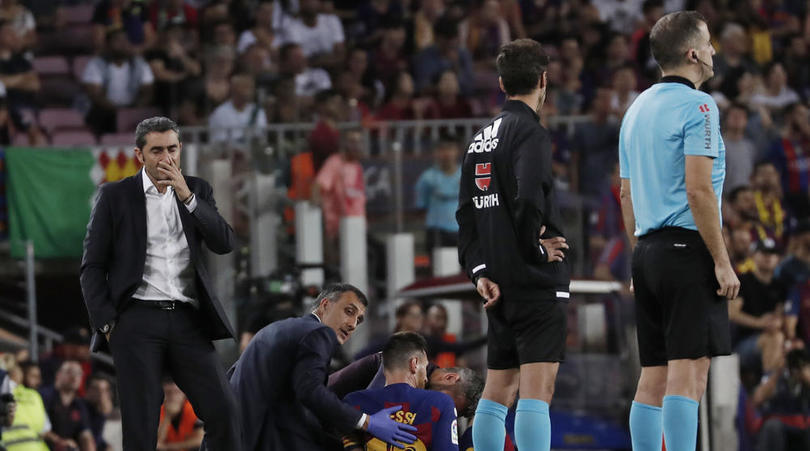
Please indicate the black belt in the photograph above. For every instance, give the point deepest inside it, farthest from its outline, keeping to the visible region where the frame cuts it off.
(163, 305)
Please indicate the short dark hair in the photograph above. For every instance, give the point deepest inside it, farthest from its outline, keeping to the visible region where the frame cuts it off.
(735, 193)
(521, 64)
(400, 347)
(672, 35)
(334, 291)
(471, 385)
(157, 124)
(403, 308)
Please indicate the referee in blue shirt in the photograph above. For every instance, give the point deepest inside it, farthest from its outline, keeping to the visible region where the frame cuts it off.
(672, 165)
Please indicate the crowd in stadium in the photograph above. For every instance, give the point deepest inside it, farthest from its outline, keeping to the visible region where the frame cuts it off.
(248, 63)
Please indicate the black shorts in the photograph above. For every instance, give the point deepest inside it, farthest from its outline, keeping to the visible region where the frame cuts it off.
(678, 312)
(527, 331)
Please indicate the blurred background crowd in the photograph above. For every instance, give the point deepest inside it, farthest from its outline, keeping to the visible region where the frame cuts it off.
(76, 72)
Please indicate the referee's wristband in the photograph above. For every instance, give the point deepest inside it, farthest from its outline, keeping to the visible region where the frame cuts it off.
(362, 421)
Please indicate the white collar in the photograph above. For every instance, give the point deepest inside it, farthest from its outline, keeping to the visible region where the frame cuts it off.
(147, 183)
(316, 317)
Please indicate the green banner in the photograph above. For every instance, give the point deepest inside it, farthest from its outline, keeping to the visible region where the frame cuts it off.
(50, 194)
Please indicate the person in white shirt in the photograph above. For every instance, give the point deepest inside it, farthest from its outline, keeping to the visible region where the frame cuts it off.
(262, 32)
(148, 292)
(320, 35)
(116, 79)
(231, 119)
(308, 81)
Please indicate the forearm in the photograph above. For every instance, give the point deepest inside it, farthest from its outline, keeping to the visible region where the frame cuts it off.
(629, 218)
(765, 391)
(703, 204)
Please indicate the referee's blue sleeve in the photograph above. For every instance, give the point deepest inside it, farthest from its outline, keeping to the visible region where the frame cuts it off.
(624, 167)
(701, 130)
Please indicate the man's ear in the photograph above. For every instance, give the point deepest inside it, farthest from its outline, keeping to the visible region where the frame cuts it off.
(452, 377)
(543, 82)
(139, 155)
(413, 363)
(500, 85)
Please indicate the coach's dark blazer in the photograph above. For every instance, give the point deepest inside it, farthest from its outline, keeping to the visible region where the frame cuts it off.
(280, 385)
(115, 251)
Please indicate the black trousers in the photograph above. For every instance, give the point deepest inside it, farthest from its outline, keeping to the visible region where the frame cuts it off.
(148, 343)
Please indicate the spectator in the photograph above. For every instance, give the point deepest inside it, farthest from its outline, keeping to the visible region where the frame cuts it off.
(758, 312)
(424, 22)
(400, 104)
(17, 75)
(357, 65)
(30, 422)
(776, 94)
(262, 31)
(594, 144)
(784, 395)
(484, 32)
(173, 66)
(308, 81)
(340, 189)
(608, 247)
(22, 22)
(211, 90)
(442, 347)
(797, 65)
(320, 35)
(771, 211)
(620, 15)
(174, 12)
(75, 347)
(652, 10)
(67, 411)
(257, 62)
(794, 272)
(99, 402)
(448, 103)
(624, 90)
(179, 428)
(409, 317)
(371, 17)
(733, 54)
(117, 78)
(791, 155)
(128, 15)
(738, 86)
(437, 192)
(324, 140)
(389, 59)
(739, 247)
(233, 119)
(222, 33)
(740, 151)
(214, 11)
(445, 54)
(32, 375)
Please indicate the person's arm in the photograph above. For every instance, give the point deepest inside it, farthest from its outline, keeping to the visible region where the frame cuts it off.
(701, 147)
(629, 218)
(163, 74)
(766, 389)
(86, 441)
(737, 315)
(445, 436)
(95, 262)
(217, 233)
(354, 377)
(24, 81)
(308, 376)
(703, 204)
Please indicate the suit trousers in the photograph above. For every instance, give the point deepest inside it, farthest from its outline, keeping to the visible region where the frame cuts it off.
(149, 343)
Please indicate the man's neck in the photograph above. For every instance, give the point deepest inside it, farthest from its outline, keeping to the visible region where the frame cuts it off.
(533, 100)
(762, 276)
(687, 72)
(161, 188)
(66, 396)
(399, 377)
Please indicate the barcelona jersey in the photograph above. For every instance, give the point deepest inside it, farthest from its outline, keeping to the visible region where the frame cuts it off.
(432, 413)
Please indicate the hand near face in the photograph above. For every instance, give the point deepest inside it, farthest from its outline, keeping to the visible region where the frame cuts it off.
(174, 178)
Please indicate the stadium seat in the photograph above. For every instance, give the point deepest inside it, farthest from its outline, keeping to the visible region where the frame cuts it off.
(58, 91)
(78, 14)
(117, 139)
(128, 118)
(73, 138)
(60, 119)
(51, 65)
(79, 63)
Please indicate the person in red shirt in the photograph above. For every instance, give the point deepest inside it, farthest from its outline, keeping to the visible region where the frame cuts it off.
(325, 137)
(179, 428)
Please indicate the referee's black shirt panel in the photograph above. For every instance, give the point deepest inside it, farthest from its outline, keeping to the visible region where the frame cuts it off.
(506, 196)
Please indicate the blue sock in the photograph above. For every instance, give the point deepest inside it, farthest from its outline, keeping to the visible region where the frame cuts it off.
(680, 423)
(489, 432)
(645, 427)
(532, 425)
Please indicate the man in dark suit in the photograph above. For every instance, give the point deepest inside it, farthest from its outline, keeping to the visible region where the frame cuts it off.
(147, 290)
(280, 380)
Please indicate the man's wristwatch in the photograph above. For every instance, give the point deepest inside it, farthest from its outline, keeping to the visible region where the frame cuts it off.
(105, 329)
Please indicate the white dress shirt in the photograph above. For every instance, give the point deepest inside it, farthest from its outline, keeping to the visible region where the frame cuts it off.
(168, 273)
